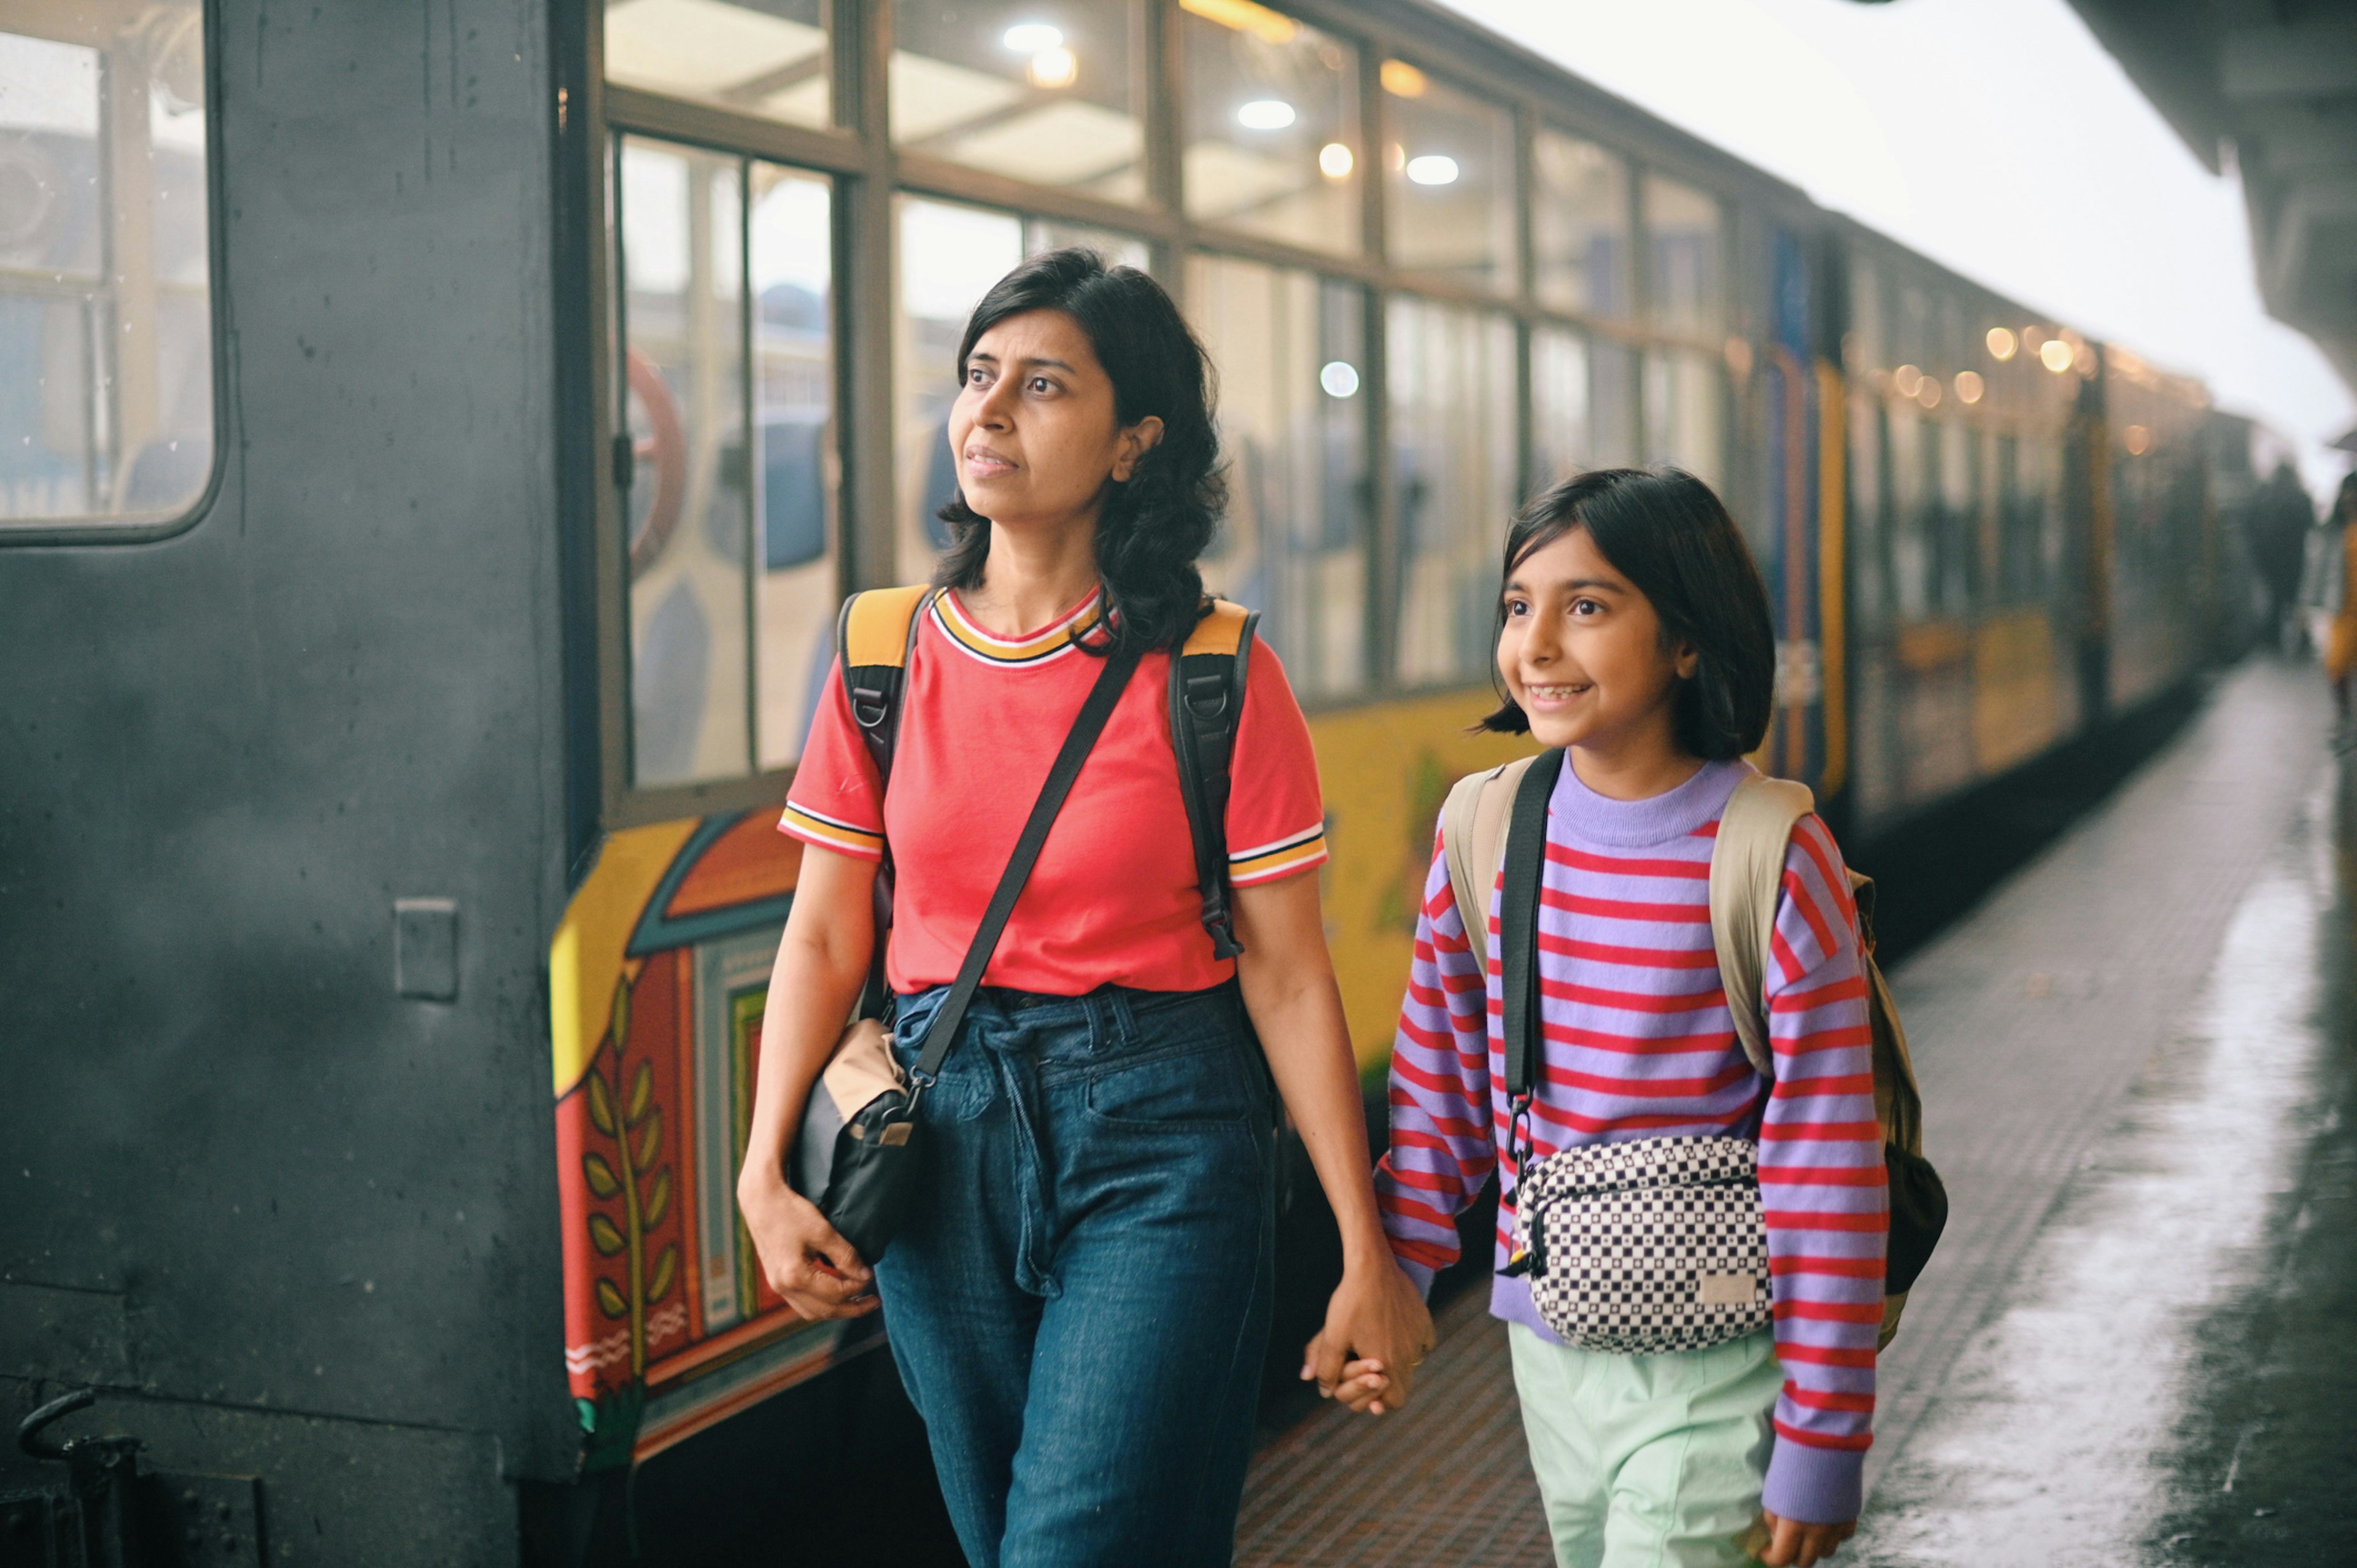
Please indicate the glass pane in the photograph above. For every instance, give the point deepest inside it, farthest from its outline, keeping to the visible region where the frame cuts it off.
(1044, 93)
(1452, 416)
(949, 255)
(1561, 442)
(788, 241)
(1449, 167)
(106, 388)
(1685, 258)
(689, 502)
(1683, 414)
(1289, 349)
(1579, 226)
(1272, 126)
(757, 57)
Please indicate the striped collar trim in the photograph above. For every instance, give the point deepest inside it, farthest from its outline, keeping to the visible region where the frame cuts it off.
(1037, 648)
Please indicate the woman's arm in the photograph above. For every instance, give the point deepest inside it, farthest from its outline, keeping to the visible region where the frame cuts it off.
(821, 962)
(1376, 1315)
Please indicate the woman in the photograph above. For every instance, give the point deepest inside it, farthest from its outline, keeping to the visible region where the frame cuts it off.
(1080, 1304)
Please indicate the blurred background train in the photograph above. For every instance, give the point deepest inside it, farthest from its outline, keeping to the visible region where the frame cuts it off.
(433, 442)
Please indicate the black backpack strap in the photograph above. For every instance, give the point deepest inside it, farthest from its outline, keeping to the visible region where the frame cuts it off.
(941, 1031)
(1518, 944)
(1208, 675)
(874, 637)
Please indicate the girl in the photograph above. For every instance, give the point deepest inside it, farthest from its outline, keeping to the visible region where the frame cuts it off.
(1079, 1303)
(1634, 631)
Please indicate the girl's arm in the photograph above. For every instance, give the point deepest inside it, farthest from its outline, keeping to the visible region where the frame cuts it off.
(822, 963)
(1376, 1316)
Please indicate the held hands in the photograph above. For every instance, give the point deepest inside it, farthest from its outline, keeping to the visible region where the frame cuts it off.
(803, 1258)
(1377, 1331)
(1789, 1544)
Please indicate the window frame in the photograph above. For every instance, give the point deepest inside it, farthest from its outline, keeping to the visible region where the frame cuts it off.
(147, 528)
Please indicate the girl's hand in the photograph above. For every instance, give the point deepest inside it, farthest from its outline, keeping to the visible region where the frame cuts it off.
(1377, 1331)
(803, 1257)
(1792, 1544)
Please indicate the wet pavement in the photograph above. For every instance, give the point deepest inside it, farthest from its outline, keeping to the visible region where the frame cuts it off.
(2133, 1345)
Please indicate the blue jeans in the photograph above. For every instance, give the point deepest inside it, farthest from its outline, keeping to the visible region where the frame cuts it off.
(1080, 1304)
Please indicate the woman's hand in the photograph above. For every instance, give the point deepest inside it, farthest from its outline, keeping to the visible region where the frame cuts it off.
(803, 1257)
(1377, 1332)
(1792, 1544)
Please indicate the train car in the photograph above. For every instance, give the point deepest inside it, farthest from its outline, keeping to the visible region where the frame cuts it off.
(433, 444)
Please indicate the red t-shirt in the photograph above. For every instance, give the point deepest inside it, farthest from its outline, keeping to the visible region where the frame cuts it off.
(1113, 899)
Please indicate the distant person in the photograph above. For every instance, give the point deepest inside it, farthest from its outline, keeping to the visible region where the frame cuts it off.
(1634, 631)
(2331, 603)
(2281, 518)
(1080, 1300)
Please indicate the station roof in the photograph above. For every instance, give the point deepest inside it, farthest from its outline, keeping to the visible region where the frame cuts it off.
(2275, 88)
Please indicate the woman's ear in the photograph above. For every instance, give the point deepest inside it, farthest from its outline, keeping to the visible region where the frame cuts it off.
(1134, 444)
(1687, 660)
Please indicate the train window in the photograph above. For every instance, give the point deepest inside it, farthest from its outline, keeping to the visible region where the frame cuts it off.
(1448, 165)
(1047, 96)
(727, 379)
(1913, 565)
(1451, 379)
(1562, 443)
(106, 365)
(949, 255)
(1685, 256)
(1271, 125)
(1290, 348)
(1579, 226)
(1685, 412)
(765, 57)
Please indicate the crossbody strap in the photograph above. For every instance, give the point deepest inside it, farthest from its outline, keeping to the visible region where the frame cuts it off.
(942, 1031)
(1518, 941)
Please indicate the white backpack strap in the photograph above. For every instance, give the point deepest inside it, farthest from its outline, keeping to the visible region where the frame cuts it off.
(1746, 875)
(1473, 842)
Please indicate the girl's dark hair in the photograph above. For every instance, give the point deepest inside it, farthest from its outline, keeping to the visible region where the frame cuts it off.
(1155, 523)
(1667, 533)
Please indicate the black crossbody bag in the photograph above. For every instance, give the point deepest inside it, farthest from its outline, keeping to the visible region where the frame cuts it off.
(864, 1170)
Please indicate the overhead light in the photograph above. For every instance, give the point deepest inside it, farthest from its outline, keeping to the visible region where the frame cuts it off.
(1030, 37)
(1054, 67)
(1402, 79)
(1339, 380)
(1269, 26)
(1928, 394)
(1969, 386)
(1433, 168)
(2001, 345)
(2139, 440)
(2055, 355)
(1266, 114)
(1908, 379)
(1334, 161)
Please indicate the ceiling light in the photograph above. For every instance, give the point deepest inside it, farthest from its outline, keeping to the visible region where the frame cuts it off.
(2001, 345)
(1969, 386)
(1433, 168)
(1054, 67)
(1266, 114)
(1402, 79)
(2055, 354)
(1908, 379)
(1338, 379)
(1334, 161)
(1030, 37)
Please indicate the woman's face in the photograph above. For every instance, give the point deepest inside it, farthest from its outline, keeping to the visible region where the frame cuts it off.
(1034, 428)
(1582, 650)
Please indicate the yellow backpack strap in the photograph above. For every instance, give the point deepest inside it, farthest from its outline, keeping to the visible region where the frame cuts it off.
(872, 640)
(1473, 843)
(1208, 675)
(1746, 875)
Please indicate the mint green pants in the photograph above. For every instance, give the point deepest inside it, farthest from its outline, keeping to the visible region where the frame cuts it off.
(1648, 1461)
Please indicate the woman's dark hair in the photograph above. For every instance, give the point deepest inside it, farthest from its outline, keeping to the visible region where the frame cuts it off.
(1155, 523)
(1667, 533)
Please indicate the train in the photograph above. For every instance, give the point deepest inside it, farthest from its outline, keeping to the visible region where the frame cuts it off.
(433, 442)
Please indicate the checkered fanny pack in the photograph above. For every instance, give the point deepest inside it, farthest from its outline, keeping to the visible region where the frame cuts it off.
(1657, 1244)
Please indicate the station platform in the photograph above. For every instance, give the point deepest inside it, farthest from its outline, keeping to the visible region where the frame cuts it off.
(2133, 1345)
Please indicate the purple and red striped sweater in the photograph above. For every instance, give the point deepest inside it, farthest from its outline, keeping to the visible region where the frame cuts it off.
(1637, 1042)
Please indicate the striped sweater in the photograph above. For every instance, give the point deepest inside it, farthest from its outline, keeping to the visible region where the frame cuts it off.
(1637, 1042)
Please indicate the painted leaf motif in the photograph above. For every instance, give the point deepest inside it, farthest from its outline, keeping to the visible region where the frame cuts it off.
(651, 1142)
(621, 1026)
(599, 1176)
(602, 1103)
(609, 1300)
(665, 1267)
(605, 1235)
(657, 1199)
(642, 1094)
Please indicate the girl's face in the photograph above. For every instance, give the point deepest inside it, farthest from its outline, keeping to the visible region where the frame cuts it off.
(1583, 655)
(1034, 428)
